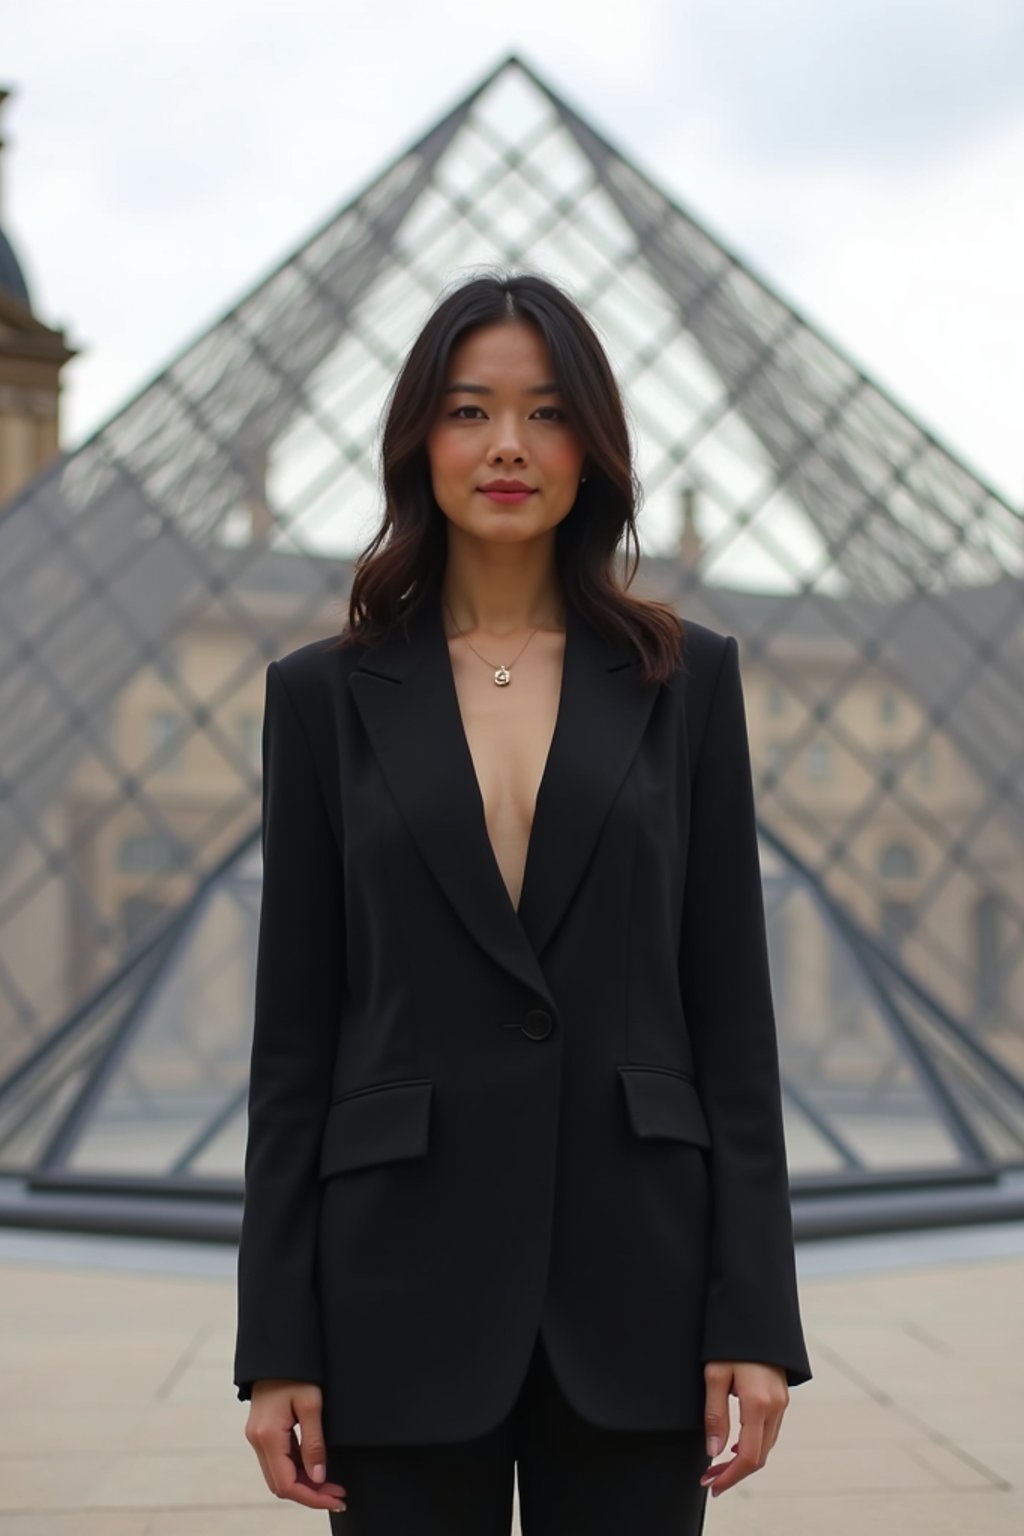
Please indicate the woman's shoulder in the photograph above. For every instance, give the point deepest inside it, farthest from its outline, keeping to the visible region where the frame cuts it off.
(701, 645)
(316, 657)
(708, 657)
(312, 671)
(701, 654)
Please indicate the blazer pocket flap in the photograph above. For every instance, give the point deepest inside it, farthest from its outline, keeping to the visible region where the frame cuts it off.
(376, 1125)
(662, 1103)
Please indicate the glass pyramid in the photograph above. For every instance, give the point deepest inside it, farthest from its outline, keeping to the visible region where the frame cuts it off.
(875, 583)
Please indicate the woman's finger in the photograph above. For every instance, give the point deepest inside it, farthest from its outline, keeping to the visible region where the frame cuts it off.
(302, 1490)
(285, 1476)
(750, 1454)
(777, 1425)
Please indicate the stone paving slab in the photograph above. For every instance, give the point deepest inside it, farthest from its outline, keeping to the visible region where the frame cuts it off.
(118, 1417)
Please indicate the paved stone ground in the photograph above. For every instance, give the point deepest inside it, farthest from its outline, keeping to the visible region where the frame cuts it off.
(117, 1417)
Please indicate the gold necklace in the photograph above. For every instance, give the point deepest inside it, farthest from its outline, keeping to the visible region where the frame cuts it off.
(503, 674)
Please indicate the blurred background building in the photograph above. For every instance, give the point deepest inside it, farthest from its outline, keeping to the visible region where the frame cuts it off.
(146, 578)
(31, 358)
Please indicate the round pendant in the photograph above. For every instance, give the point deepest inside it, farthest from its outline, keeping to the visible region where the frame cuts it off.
(502, 677)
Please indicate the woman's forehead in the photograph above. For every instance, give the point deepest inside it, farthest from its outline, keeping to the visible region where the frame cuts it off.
(510, 345)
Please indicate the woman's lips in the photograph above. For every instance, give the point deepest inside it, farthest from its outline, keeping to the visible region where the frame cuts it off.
(506, 496)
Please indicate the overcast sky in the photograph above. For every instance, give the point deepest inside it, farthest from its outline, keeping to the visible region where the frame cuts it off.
(865, 156)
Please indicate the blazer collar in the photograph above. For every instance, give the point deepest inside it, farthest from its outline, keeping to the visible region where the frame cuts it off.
(404, 689)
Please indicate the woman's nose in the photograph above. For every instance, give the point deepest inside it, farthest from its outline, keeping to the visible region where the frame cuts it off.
(506, 443)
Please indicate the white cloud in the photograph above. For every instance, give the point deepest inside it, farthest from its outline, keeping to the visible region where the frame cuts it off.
(877, 84)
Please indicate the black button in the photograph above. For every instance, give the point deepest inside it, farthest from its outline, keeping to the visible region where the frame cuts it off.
(537, 1024)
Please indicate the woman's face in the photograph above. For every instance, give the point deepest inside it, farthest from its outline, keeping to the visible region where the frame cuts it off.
(502, 421)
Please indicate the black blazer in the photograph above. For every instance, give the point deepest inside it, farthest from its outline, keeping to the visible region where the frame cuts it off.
(467, 1122)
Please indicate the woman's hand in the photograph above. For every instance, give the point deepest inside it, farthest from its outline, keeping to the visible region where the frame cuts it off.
(763, 1395)
(291, 1471)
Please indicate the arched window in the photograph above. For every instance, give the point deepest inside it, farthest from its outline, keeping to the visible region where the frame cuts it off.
(140, 915)
(166, 738)
(151, 853)
(819, 761)
(887, 761)
(250, 729)
(987, 950)
(773, 757)
(776, 699)
(897, 921)
(898, 862)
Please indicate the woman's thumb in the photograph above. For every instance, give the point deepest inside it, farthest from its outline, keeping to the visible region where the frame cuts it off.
(314, 1452)
(717, 1380)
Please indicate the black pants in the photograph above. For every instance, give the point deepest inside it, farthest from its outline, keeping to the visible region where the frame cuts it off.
(575, 1478)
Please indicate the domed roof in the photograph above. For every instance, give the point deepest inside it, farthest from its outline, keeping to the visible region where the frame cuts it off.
(12, 279)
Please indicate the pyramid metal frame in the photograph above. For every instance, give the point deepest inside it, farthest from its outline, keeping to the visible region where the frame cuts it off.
(213, 497)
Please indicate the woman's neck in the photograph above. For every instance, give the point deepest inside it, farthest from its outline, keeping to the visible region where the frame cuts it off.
(501, 603)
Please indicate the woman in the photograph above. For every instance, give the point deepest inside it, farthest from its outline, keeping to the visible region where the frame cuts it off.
(516, 1189)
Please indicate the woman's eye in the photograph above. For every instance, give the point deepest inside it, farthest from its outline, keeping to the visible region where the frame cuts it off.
(545, 412)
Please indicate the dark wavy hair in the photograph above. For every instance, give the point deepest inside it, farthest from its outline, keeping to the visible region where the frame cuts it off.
(407, 552)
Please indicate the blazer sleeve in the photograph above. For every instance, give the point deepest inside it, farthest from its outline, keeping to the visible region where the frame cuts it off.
(300, 975)
(752, 1308)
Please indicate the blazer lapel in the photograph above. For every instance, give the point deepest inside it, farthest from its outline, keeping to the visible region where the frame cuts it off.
(404, 689)
(603, 713)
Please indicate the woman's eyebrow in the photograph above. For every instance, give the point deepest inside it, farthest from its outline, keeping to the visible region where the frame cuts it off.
(483, 389)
